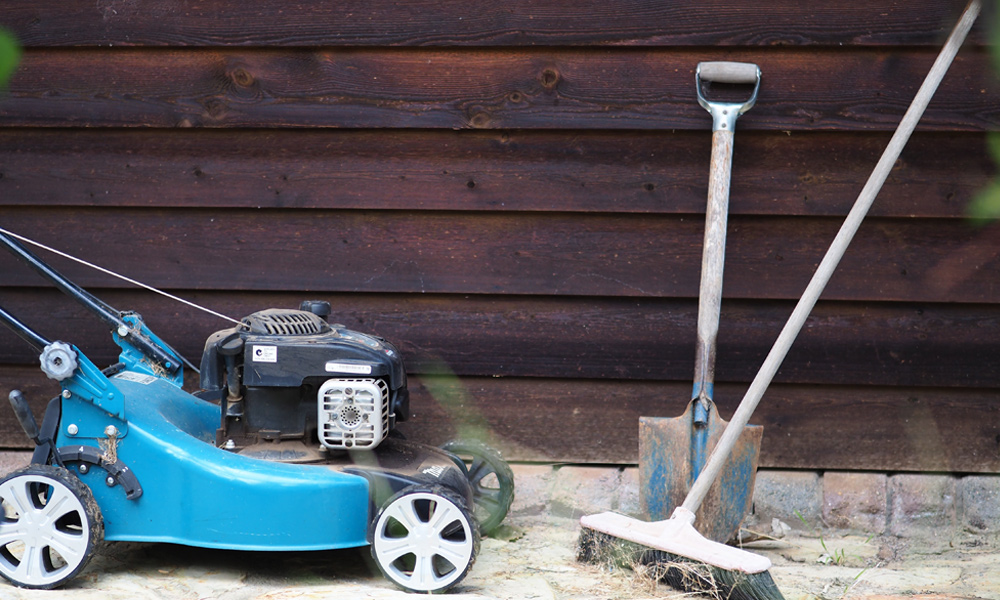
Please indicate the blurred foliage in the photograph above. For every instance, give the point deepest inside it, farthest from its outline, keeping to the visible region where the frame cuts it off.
(985, 206)
(450, 394)
(10, 55)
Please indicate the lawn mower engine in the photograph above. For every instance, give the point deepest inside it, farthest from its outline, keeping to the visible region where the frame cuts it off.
(285, 374)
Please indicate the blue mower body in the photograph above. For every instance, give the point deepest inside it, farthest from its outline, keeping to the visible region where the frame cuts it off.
(196, 494)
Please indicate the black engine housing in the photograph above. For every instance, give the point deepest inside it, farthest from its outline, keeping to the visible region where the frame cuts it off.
(269, 370)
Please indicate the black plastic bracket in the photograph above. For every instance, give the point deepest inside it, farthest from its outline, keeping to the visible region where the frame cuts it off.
(121, 474)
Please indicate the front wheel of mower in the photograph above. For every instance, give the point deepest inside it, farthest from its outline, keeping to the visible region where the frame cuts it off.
(424, 539)
(50, 526)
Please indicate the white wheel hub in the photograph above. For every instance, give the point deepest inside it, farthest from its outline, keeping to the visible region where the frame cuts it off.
(423, 541)
(44, 531)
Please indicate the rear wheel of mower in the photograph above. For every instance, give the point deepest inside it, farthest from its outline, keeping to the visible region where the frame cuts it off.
(492, 482)
(50, 526)
(425, 539)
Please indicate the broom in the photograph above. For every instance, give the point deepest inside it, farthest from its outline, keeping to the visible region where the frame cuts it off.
(679, 555)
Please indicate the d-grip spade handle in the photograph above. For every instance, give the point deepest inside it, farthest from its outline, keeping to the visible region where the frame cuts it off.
(725, 113)
(729, 72)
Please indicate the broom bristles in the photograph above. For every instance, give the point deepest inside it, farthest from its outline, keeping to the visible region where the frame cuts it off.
(679, 572)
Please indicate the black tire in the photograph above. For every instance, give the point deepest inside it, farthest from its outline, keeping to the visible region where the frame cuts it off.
(64, 520)
(425, 539)
(492, 482)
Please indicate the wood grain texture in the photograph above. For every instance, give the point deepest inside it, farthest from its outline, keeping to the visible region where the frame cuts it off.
(592, 338)
(550, 254)
(593, 171)
(580, 420)
(451, 22)
(828, 427)
(537, 88)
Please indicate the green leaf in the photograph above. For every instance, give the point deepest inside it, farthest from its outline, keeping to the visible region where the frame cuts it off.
(993, 144)
(10, 55)
(985, 206)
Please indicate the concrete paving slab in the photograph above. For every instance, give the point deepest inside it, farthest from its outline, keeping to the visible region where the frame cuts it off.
(536, 560)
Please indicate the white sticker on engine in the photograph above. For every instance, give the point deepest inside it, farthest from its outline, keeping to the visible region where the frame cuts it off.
(336, 367)
(136, 377)
(265, 354)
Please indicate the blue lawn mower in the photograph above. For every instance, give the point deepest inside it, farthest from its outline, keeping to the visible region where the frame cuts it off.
(289, 445)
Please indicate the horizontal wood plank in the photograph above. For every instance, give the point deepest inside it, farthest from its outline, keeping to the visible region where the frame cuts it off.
(537, 88)
(894, 429)
(552, 254)
(637, 339)
(586, 171)
(805, 427)
(451, 22)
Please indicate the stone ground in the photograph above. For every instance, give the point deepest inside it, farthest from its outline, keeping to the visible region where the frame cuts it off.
(533, 557)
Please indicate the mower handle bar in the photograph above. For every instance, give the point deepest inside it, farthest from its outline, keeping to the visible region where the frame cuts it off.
(103, 311)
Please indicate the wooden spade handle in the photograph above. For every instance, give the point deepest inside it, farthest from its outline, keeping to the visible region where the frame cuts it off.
(712, 262)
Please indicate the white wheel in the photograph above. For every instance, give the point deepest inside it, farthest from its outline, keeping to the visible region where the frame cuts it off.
(425, 539)
(49, 526)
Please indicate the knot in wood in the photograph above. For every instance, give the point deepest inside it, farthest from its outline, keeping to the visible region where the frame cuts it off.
(241, 77)
(480, 120)
(549, 78)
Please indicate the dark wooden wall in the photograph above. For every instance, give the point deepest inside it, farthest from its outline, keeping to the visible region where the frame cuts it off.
(513, 192)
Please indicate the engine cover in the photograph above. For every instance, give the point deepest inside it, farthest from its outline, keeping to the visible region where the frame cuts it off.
(291, 375)
(353, 413)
